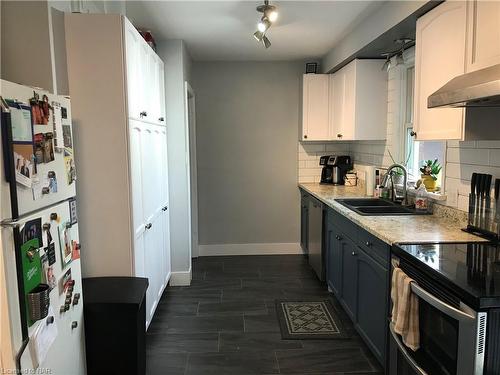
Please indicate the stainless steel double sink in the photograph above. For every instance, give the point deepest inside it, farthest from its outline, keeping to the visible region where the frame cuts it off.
(378, 207)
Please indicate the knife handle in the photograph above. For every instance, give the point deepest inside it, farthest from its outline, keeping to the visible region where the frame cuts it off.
(482, 187)
(497, 188)
(487, 185)
(473, 183)
(479, 183)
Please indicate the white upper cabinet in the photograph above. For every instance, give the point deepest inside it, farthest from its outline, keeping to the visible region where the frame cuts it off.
(483, 34)
(132, 60)
(350, 104)
(145, 78)
(439, 57)
(315, 120)
(358, 101)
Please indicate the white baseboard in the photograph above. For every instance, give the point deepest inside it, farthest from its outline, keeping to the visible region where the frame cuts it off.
(182, 278)
(250, 249)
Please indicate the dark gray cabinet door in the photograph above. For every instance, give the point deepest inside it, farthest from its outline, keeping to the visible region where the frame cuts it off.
(334, 258)
(372, 303)
(348, 254)
(304, 220)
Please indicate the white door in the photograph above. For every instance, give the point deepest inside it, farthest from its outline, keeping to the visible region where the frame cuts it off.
(337, 105)
(439, 57)
(315, 108)
(145, 81)
(136, 155)
(483, 34)
(159, 147)
(161, 93)
(133, 63)
(164, 207)
(154, 88)
(342, 103)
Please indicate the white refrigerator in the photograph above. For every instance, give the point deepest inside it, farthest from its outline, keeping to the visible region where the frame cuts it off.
(41, 306)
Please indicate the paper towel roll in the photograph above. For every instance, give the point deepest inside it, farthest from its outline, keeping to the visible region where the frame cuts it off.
(370, 180)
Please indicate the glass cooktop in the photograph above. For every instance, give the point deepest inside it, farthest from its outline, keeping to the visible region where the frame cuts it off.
(472, 267)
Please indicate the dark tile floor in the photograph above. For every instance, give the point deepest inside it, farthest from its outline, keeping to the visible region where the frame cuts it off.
(225, 323)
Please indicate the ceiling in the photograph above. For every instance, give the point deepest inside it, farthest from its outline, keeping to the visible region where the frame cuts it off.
(222, 30)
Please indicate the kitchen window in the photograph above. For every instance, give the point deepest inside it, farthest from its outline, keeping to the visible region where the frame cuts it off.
(416, 152)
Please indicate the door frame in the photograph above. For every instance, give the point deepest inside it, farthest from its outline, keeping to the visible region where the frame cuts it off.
(190, 117)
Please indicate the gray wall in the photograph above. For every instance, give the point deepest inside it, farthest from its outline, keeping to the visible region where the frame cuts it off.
(247, 129)
(177, 71)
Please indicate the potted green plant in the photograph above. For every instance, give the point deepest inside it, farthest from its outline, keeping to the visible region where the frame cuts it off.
(430, 170)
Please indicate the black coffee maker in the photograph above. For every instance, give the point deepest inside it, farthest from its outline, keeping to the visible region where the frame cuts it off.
(334, 169)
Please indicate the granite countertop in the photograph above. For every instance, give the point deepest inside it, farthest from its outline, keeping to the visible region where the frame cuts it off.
(392, 229)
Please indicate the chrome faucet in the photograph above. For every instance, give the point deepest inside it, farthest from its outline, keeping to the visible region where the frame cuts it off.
(389, 176)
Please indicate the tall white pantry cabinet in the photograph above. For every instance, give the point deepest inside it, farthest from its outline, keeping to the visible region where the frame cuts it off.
(116, 83)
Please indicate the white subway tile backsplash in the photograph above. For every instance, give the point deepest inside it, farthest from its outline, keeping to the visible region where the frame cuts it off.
(473, 156)
(494, 158)
(312, 163)
(488, 144)
(311, 147)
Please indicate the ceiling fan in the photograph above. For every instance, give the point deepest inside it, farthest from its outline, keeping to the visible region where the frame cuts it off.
(269, 16)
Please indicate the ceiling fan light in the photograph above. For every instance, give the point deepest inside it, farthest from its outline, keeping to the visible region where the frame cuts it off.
(272, 16)
(263, 25)
(400, 59)
(258, 35)
(266, 41)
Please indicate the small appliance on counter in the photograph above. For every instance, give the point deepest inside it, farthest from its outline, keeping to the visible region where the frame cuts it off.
(335, 169)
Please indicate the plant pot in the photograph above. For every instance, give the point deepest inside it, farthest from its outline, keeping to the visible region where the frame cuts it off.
(429, 183)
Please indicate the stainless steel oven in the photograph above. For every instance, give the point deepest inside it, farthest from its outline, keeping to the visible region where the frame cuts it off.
(452, 335)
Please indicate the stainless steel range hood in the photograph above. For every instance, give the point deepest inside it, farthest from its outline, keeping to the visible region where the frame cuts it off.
(476, 89)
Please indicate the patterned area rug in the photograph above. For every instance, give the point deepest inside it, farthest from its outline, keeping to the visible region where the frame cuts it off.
(308, 320)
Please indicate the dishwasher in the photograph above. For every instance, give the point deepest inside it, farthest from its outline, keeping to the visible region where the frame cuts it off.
(315, 237)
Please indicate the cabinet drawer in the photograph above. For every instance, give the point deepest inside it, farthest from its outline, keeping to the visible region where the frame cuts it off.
(373, 246)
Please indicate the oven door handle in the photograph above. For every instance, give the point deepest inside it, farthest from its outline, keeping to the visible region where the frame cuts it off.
(403, 351)
(442, 306)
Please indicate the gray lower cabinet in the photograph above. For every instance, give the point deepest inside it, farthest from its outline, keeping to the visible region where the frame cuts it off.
(349, 275)
(372, 289)
(358, 274)
(304, 220)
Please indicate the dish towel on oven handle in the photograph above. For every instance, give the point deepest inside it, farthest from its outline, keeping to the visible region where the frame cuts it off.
(405, 309)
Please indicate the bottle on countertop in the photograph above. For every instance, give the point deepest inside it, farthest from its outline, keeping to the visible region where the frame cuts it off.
(422, 199)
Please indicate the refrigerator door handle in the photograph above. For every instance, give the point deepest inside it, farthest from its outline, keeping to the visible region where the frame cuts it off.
(10, 224)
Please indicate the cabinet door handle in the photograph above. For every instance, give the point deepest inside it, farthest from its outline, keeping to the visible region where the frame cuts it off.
(338, 237)
(143, 114)
(161, 119)
(354, 253)
(149, 225)
(164, 208)
(305, 136)
(368, 243)
(339, 135)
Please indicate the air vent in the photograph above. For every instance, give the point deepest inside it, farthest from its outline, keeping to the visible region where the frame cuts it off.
(481, 333)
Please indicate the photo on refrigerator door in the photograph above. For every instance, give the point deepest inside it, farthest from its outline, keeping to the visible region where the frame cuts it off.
(23, 162)
(69, 164)
(44, 148)
(22, 127)
(65, 243)
(32, 230)
(40, 109)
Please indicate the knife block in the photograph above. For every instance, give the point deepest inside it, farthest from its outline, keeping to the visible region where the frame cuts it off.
(484, 220)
